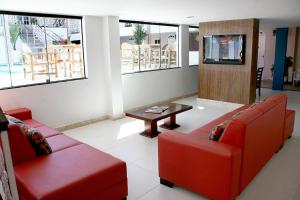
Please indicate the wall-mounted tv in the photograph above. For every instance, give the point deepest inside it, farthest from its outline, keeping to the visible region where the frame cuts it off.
(224, 49)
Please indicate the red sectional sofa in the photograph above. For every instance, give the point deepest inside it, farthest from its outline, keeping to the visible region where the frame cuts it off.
(72, 171)
(222, 169)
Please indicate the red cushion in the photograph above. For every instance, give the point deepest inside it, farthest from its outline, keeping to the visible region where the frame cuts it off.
(76, 173)
(217, 131)
(59, 142)
(20, 113)
(233, 134)
(20, 147)
(48, 132)
(33, 123)
(38, 141)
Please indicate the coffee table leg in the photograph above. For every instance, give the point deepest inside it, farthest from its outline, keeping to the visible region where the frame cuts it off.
(150, 129)
(170, 123)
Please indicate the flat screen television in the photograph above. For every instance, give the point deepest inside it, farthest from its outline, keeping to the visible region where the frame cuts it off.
(224, 49)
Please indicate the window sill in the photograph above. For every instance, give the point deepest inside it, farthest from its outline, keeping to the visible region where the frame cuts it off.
(43, 83)
(153, 70)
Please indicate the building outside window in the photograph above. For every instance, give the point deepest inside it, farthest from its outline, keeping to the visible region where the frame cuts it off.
(148, 46)
(193, 46)
(39, 49)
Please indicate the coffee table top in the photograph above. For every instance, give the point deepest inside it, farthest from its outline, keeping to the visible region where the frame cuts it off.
(173, 108)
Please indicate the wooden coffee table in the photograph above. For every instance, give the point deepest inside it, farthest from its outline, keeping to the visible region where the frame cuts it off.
(151, 118)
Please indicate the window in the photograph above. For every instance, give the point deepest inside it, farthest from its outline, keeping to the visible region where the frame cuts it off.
(38, 49)
(193, 46)
(148, 46)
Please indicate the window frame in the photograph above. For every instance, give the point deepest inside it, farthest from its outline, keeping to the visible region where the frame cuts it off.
(47, 82)
(189, 48)
(159, 24)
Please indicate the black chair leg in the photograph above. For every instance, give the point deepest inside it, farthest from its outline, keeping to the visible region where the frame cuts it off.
(166, 183)
(259, 91)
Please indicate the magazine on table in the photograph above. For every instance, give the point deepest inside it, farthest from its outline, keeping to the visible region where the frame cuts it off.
(156, 109)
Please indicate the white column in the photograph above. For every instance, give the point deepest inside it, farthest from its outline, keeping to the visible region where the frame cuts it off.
(184, 46)
(112, 58)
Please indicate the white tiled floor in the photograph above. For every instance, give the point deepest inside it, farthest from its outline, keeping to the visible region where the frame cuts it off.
(278, 180)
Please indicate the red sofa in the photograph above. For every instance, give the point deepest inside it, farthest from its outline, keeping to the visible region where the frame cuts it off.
(72, 171)
(222, 169)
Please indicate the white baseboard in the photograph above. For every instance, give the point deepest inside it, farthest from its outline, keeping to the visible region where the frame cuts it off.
(106, 117)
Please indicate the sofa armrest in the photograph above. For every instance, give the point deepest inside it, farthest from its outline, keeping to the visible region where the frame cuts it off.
(206, 167)
(20, 113)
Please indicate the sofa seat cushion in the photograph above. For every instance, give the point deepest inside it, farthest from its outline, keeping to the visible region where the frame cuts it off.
(48, 132)
(209, 126)
(60, 142)
(76, 173)
(33, 123)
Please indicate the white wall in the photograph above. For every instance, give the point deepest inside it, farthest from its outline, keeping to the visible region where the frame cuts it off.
(112, 57)
(61, 104)
(149, 87)
(145, 88)
(269, 52)
(270, 43)
(65, 103)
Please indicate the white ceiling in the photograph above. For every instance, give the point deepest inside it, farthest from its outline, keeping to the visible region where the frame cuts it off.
(275, 13)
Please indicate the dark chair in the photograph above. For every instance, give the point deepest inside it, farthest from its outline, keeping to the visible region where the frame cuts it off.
(259, 72)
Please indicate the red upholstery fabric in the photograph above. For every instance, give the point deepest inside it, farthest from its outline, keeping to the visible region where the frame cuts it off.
(20, 113)
(200, 165)
(48, 132)
(79, 172)
(199, 133)
(233, 134)
(112, 193)
(33, 123)
(73, 171)
(260, 131)
(289, 123)
(20, 147)
(210, 125)
(60, 142)
(222, 172)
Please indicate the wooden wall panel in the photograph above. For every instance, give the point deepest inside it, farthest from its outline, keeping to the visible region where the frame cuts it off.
(231, 83)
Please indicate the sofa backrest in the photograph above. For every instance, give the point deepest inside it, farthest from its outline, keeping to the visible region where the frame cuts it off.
(259, 132)
(20, 147)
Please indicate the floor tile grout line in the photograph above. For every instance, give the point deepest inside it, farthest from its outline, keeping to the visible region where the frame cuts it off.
(152, 189)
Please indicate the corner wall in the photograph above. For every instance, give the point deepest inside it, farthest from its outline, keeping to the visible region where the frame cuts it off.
(232, 83)
(269, 52)
(142, 89)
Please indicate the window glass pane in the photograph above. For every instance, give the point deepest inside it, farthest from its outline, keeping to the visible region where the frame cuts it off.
(128, 48)
(4, 67)
(27, 50)
(150, 49)
(193, 46)
(146, 47)
(169, 46)
(64, 47)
